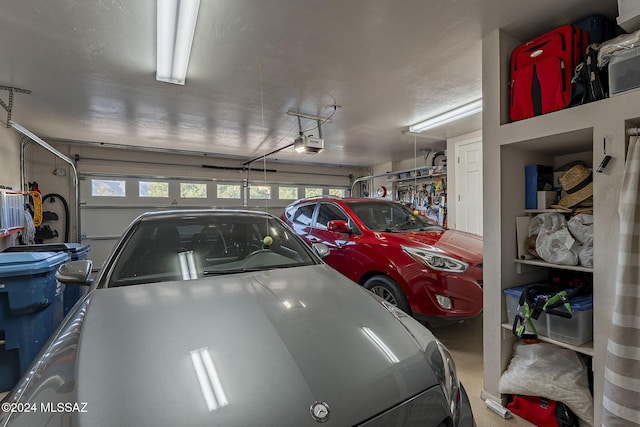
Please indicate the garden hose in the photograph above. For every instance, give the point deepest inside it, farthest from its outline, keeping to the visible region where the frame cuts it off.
(36, 197)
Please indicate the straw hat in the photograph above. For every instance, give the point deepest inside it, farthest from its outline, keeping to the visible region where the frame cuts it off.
(577, 186)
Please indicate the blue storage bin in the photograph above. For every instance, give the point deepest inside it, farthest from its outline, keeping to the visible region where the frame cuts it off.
(31, 308)
(512, 297)
(77, 251)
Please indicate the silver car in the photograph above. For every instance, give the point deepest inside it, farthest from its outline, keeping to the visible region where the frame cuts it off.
(227, 318)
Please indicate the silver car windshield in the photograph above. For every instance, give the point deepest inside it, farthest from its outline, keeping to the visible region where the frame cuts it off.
(392, 217)
(189, 247)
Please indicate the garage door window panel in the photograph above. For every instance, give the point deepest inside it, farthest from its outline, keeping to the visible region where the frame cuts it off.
(193, 190)
(288, 193)
(337, 192)
(108, 188)
(153, 189)
(260, 192)
(312, 192)
(229, 191)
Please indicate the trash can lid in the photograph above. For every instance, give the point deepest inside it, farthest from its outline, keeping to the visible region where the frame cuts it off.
(22, 263)
(50, 247)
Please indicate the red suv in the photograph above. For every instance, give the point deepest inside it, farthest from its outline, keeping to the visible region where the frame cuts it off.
(407, 259)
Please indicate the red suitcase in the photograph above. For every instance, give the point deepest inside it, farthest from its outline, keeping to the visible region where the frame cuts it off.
(541, 71)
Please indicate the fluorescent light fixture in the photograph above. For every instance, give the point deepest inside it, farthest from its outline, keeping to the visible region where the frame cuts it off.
(210, 384)
(176, 26)
(448, 117)
(384, 349)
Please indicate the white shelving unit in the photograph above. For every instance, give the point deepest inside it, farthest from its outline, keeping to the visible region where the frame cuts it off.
(586, 348)
(555, 139)
(544, 264)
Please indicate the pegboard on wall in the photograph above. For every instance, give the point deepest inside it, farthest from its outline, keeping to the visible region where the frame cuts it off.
(426, 192)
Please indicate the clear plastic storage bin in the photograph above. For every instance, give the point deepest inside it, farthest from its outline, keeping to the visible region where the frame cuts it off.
(579, 328)
(624, 71)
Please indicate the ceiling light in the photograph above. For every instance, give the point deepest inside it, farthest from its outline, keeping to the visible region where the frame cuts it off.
(176, 26)
(448, 117)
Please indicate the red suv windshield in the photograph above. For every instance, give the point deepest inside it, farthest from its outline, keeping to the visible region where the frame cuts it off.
(382, 216)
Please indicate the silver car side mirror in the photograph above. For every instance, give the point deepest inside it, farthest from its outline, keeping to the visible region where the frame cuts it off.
(320, 249)
(75, 273)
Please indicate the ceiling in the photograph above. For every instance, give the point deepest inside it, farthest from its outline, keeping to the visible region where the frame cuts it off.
(385, 64)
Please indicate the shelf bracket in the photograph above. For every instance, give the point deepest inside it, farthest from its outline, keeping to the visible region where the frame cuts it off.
(9, 107)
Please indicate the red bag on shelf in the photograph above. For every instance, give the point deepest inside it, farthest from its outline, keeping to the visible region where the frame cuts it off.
(542, 69)
(543, 412)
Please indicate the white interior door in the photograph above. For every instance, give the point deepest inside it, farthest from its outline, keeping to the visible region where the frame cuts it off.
(468, 156)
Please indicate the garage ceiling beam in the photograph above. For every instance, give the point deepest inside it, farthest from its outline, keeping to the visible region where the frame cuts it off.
(312, 116)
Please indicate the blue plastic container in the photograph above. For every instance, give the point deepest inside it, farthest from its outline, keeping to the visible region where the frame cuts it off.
(77, 251)
(512, 296)
(31, 308)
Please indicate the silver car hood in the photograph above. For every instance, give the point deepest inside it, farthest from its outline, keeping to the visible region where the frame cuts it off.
(271, 343)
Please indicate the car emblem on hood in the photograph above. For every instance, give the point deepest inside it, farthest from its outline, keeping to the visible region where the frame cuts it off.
(320, 411)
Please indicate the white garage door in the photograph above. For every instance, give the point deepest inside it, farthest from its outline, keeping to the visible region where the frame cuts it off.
(108, 203)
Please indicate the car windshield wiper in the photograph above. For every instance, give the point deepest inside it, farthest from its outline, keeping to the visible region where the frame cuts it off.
(234, 271)
(254, 269)
(398, 227)
(432, 228)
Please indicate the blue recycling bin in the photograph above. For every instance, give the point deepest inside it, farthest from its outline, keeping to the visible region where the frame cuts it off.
(31, 308)
(77, 251)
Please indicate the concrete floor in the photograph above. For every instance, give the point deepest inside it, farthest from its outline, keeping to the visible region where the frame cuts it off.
(464, 341)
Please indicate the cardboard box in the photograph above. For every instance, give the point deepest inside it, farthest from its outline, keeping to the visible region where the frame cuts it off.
(546, 199)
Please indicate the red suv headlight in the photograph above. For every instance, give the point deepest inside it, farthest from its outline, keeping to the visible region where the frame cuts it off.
(436, 260)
